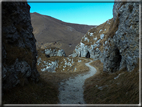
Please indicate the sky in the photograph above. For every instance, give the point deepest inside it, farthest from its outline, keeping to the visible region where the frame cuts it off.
(89, 13)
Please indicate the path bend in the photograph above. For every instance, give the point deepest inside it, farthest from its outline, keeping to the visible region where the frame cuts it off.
(71, 91)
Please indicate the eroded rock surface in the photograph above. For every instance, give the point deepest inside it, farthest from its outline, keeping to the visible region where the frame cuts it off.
(54, 52)
(18, 45)
(125, 39)
(115, 42)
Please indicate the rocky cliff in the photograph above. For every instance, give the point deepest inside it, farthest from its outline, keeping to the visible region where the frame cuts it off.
(18, 45)
(115, 42)
(125, 51)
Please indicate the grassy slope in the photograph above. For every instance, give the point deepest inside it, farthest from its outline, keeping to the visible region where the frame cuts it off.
(47, 29)
(60, 74)
(102, 88)
(108, 29)
(45, 91)
(101, 29)
(123, 90)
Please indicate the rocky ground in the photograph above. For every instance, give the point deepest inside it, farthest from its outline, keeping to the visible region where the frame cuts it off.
(71, 90)
(113, 46)
(78, 87)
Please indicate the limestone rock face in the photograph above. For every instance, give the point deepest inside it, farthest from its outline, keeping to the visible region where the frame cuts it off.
(83, 50)
(125, 39)
(18, 45)
(54, 52)
(92, 42)
(115, 42)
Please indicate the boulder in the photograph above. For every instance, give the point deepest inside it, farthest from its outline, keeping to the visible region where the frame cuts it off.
(54, 52)
(50, 67)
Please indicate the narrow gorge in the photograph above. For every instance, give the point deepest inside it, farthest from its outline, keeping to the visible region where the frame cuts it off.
(101, 67)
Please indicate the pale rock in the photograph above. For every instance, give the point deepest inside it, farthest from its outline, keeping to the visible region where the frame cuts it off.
(102, 36)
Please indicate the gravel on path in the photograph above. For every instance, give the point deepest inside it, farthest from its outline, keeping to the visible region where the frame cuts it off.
(71, 90)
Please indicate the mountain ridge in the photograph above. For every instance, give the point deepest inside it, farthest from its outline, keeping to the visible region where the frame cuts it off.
(49, 30)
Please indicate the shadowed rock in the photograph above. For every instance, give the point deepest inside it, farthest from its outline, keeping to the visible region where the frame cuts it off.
(18, 45)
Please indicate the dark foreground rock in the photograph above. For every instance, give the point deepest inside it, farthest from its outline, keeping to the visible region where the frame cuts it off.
(18, 45)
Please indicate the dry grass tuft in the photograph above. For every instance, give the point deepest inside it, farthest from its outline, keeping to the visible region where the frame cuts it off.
(81, 67)
(98, 65)
(113, 27)
(48, 45)
(42, 92)
(102, 88)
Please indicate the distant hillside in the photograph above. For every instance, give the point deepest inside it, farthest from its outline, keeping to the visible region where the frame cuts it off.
(49, 30)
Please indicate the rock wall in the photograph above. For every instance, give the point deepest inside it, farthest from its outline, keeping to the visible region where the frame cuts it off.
(18, 45)
(125, 52)
(115, 42)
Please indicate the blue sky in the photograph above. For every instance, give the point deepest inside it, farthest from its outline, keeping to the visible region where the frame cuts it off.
(81, 13)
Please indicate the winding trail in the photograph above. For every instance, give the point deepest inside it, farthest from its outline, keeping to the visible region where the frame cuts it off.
(71, 91)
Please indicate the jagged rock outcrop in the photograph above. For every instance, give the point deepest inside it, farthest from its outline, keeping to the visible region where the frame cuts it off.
(54, 52)
(125, 39)
(92, 43)
(115, 42)
(18, 45)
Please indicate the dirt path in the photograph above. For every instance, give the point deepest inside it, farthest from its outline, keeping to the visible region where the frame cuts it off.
(71, 90)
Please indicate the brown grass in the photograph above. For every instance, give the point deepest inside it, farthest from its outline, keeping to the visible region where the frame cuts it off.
(98, 65)
(42, 92)
(113, 27)
(57, 77)
(123, 90)
(60, 75)
(107, 30)
(81, 67)
(49, 45)
(61, 63)
(48, 30)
